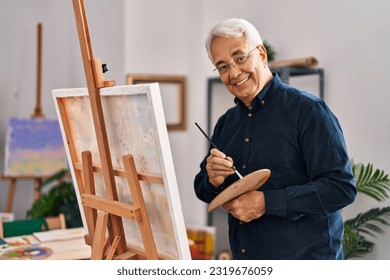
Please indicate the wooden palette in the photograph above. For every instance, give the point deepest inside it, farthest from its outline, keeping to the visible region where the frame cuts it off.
(27, 253)
(250, 182)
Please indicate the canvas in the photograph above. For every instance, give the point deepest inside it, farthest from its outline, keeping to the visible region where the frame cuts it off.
(34, 147)
(135, 125)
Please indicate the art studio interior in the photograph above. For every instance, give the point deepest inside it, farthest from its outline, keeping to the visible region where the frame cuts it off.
(153, 60)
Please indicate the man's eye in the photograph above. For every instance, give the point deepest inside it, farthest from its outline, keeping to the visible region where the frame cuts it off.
(240, 59)
(222, 68)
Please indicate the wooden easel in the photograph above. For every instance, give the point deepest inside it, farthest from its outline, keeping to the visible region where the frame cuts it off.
(111, 243)
(12, 188)
(38, 113)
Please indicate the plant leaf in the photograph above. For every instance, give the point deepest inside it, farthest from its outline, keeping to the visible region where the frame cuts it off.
(374, 183)
(368, 222)
(58, 176)
(355, 245)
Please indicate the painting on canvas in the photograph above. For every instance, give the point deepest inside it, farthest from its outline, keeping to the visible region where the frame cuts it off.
(33, 147)
(135, 125)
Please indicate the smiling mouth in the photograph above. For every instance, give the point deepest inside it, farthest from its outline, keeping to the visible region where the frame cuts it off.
(241, 82)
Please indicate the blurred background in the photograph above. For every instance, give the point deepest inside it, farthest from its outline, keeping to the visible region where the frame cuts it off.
(350, 39)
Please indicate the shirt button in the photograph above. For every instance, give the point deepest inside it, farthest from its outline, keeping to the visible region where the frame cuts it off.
(247, 140)
(242, 250)
(262, 102)
(241, 222)
(249, 114)
(243, 166)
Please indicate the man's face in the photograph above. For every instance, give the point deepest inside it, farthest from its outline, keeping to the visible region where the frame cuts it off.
(246, 80)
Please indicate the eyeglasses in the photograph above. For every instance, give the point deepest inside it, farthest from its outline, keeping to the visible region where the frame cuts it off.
(239, 60)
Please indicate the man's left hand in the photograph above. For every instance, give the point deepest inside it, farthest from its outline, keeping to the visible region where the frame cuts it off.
(246, 207)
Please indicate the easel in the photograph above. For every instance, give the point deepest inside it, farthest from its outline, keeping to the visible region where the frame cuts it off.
(12, 188)
(38, 113)
(111, 211)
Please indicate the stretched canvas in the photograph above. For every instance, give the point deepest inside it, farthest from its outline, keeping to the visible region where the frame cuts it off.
(33, 147)
(135, 125)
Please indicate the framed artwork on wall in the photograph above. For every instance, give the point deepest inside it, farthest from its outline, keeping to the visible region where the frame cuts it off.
(173, 95)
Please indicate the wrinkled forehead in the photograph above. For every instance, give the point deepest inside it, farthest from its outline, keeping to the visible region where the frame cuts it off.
(223, 48)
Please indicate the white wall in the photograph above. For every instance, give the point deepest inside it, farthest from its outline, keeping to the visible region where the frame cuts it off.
(350, 38)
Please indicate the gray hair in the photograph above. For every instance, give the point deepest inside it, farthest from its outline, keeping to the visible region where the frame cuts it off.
(233, 28)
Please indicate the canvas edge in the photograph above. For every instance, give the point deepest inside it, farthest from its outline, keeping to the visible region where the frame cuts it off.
(169, 171)
(58, 93)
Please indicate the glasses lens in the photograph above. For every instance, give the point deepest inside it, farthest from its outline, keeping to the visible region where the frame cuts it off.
(238, 61)
(223, 68)
(241, 59)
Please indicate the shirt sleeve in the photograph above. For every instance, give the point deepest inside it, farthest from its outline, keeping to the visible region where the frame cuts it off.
(203, 189)
(330, 185)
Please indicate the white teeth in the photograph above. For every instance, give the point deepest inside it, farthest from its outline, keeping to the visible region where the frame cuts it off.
(243, 81)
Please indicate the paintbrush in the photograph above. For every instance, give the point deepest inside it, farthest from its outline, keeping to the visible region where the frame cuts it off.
(214, 146)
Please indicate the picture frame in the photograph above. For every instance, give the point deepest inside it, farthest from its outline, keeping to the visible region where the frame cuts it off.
(173, 95)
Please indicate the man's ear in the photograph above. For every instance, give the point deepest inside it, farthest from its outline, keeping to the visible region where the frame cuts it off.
(263, 52)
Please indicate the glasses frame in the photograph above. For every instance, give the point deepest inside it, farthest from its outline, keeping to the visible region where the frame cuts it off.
(235, 62)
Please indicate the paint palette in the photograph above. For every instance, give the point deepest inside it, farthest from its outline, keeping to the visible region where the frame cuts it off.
(26, 253)
(250, 182)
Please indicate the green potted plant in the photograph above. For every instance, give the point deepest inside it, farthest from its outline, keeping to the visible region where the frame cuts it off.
(375, 184)
(271, 53)
(60, 198)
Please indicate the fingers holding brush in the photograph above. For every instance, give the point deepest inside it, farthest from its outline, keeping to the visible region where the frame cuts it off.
(218, 167)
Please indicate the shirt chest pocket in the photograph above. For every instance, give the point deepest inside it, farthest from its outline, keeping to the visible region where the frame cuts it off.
(274, 155)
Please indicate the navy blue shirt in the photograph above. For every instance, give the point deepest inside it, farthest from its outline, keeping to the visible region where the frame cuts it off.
(296, 136)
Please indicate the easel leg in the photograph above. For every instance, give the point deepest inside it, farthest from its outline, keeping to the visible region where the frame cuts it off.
(99, 237)
(11, 195)
(89, 188)
(112, 248)
(138, 201)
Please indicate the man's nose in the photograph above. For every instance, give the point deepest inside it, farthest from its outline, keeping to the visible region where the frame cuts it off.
(234, 71)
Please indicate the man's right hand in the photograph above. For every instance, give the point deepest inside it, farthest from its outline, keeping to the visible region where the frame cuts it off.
(218, 167)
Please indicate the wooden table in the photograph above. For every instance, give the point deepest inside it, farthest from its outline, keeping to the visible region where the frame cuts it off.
(73, 248)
